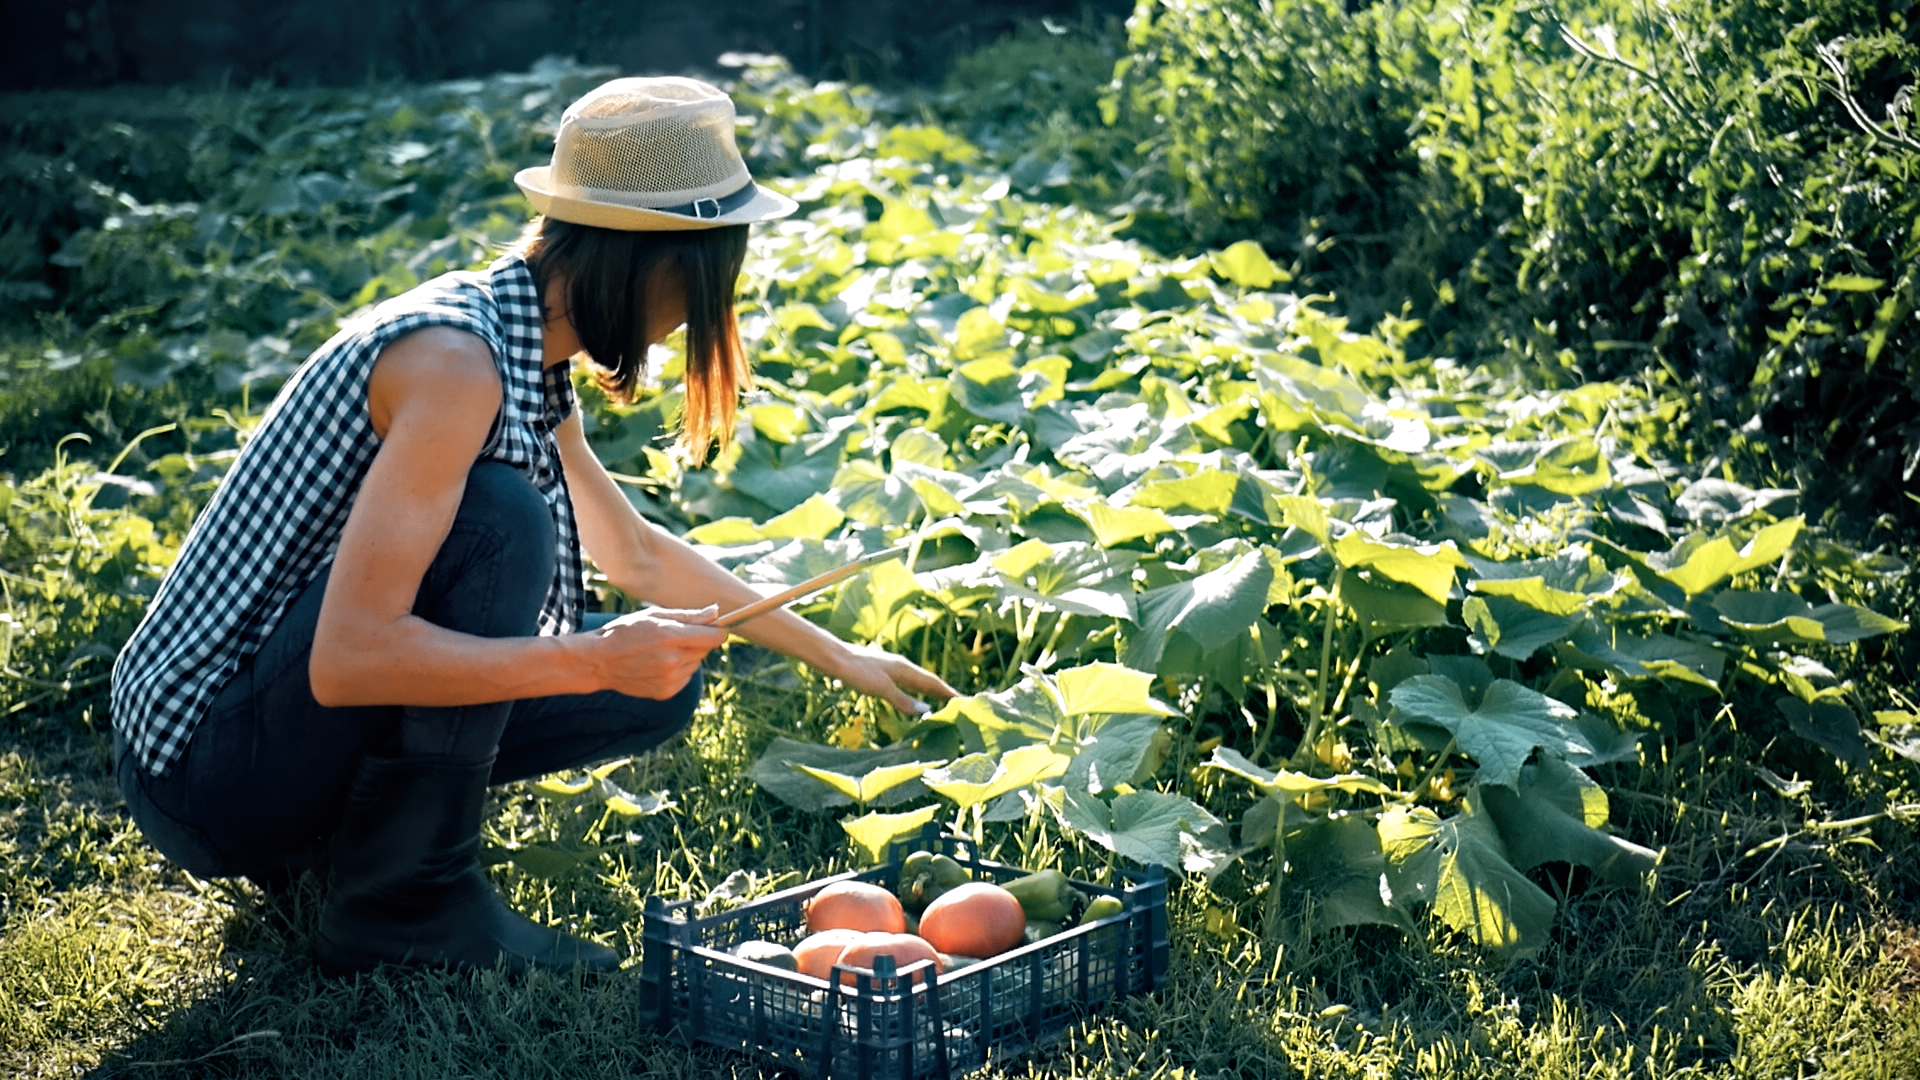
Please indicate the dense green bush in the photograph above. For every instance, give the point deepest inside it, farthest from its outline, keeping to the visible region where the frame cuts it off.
(1593, 187)
(1033, 99)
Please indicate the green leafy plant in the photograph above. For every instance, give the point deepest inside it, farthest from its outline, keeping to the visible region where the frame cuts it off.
(1229, 584)
(74, 578)
(1106, 457)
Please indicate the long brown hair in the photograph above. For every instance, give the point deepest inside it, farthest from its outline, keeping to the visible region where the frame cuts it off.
(606, 274)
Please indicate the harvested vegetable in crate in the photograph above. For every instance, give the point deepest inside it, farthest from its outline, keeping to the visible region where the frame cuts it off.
(912, 1013)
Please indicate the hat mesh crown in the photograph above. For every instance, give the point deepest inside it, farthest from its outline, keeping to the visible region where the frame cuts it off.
(649, 143)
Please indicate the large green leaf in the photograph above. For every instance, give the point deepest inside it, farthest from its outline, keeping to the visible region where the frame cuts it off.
(1711, 501)
(1610, 744)
(1287, 784)
(777, 420)
(1039, 297)
(559, 790)
(909, 392)
(774, 771)
(1829, 725)
(1645, 656)
(796, 561)
(1246, 265)
(1564, 584)
(1566, 466)
(1105, 688)
(1556, 813)
(784, 476)
(990, 389)
(814, 519)
(1339, 862)
(965, 783)
(1100, 714)
(1460, 868)
(545, 861)
(1575, 466)
(1776, 617)
(1118, 445)
(1699, 562)
(1302, 512)
(1069, 577)
(993, 723)
(1386, 606)
(1514, 629)
(1063, 487)
(870, 785)
(1394, 668)
(870, 606)
(629, 804)
(1427, 567)
(1146, 826)
(726, 531)
(872, 496)
(944, 492)
(1123, 750)
(1209, 491)
(1213, 608)
(1510, 722)
(874, 832)
(1295, 393)
(1114, 525)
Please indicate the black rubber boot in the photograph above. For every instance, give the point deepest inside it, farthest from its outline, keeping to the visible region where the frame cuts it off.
(406, 885)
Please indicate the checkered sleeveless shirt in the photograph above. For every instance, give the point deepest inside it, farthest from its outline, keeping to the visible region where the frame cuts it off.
(275, 522)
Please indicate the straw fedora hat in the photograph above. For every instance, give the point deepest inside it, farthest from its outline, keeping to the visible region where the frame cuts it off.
(650, 154)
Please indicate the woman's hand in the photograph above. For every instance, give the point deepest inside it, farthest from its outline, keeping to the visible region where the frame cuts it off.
(890, 678)
(653, 653)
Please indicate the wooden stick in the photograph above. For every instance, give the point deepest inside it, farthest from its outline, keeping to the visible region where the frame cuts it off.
(807, 587)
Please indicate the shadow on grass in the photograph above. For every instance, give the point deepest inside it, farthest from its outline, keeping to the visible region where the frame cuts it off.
(115, 964)
(276, 1016)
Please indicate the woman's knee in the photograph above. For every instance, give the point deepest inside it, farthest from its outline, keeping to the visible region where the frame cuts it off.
(493, 571)
(546, 735)
(649, 722)
(678, 709)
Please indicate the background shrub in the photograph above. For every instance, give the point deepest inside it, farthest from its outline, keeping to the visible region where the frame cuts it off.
(1586, 188)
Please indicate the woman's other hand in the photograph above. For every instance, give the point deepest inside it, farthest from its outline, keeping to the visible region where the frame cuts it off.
(653, 653)
(893, 679)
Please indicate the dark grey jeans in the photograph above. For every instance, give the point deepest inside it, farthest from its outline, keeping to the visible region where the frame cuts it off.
(262, 780)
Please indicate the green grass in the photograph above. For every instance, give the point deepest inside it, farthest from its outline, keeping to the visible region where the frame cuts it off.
(1792, 961)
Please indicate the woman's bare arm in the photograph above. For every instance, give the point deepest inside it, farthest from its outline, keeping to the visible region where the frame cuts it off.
(654, 565)
(432, 397)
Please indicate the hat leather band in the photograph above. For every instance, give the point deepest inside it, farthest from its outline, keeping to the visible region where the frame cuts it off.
(711, 208)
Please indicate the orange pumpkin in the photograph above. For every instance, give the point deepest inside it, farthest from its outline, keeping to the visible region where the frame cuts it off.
(976, 919)
(817, 953)
(856, 905)
(904, 948)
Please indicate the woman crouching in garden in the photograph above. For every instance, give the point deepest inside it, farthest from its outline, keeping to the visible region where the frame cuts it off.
(380, 613)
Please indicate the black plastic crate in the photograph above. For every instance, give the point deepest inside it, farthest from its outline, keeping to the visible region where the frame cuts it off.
(889, 1025)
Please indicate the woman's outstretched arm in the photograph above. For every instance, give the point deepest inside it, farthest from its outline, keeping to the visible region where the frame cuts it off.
(652, 564)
